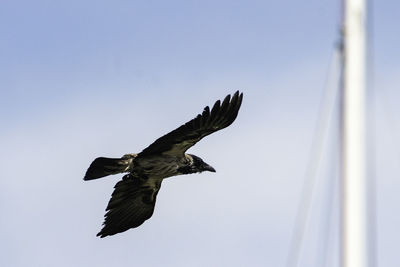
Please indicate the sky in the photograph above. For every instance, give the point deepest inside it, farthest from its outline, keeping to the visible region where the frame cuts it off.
(83, 79)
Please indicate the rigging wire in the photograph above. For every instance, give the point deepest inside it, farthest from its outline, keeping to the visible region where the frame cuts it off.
(317, 148)
(331, 210)
(333, 184)
(371, 141)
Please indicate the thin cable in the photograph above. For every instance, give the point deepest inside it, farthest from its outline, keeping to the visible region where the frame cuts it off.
(333, 185)
(371, 139)
(340, 135)
(328, 209)
(317, 147)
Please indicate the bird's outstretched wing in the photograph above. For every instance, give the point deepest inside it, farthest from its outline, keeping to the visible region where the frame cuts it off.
(181, 139)
(131, 203)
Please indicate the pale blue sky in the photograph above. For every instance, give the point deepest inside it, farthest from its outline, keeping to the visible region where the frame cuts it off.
(81, 79)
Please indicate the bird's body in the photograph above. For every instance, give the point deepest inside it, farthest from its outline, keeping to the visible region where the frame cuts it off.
(133, 199)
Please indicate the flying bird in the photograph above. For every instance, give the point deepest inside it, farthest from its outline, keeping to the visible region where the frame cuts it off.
(134, 197)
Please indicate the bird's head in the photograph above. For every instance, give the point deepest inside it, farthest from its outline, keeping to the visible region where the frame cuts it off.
(195, 164)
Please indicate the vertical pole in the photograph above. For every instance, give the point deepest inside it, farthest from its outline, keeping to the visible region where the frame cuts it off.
(354, 175)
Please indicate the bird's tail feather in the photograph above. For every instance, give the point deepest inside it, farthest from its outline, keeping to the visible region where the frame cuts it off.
(101, 167)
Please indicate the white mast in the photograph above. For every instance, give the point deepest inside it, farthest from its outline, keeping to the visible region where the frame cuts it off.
(354, 243)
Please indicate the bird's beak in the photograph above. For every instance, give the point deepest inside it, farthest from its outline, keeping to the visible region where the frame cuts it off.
(207, 167)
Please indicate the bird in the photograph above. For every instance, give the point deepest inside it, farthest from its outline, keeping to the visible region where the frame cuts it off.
(133, 199)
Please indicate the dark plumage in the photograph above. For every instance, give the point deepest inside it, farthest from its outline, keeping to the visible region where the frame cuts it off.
(134, 197)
